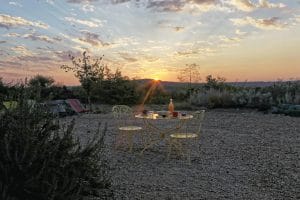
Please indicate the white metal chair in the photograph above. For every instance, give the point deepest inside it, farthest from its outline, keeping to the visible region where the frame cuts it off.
(126, 128)
(180, 141)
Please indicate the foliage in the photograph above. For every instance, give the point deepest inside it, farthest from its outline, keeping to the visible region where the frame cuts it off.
(153, 92)
(88, 71)
(41, 81)
(215, 83)
(216, 93)
(42, 160)
(115, 89)
(3, 90)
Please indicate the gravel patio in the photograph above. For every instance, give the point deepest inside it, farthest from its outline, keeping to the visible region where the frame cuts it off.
(243, 154)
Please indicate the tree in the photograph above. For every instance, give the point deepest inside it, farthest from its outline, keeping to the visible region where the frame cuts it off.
(3, 90)
(215, 83)
(39, 84)
(88, 71)
(42, 81)
(190, 74)
(115, 89)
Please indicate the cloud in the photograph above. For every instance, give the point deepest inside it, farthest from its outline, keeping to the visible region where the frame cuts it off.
(7, 21)
(88, 8)
(15, 4)
(22, 50)
(36, 37)
(34, 59)
(92, 39)
(91, 24)
(81, 1)
(178, 28)
(166, 6)
(196, 52)
(50, 2)
(268, 24)
(120, 1)
(229, 39)
(244, 5)
(248, 5)
(9, 64)
(127, 57)
(179, 5)
(266, 4)
(239, 32)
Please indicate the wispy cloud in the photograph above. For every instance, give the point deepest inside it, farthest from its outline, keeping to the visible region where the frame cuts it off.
(88, 8)
(9, 64)
(248, 5)
(244, 5)
(268, 24)
(15, 4)
(240, 33)
(80, 1)
(178, 28)
(89, 23)
(167, 6)
(50, 2)
(22, 50)
(128, 57)
(92, 39)
(36, 37)
(267, 4)
(7, 21)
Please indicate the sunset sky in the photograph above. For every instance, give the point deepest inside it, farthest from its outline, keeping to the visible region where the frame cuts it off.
(254, 40)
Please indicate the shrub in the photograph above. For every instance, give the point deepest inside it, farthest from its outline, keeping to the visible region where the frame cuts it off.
(42, 160)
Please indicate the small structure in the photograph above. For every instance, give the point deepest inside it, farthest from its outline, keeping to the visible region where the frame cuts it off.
(60, 108)
(76, 105)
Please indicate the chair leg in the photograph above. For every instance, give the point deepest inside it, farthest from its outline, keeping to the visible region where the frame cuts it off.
(117, 140)
(188, 155)
(130, 141)
(169, 148)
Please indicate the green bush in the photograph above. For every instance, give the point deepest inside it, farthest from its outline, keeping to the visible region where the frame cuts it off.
(42, 160)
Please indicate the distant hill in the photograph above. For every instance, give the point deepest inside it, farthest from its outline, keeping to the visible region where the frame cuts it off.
(169, 85)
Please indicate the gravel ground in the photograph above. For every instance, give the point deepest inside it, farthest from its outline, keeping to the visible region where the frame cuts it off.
(241, 154)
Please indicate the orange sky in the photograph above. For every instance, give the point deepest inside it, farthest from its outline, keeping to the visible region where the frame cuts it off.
(240, 40)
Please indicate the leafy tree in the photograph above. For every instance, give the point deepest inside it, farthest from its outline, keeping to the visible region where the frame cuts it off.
(115, 89)
(39, 86)
(88, 71)
(41, 81)
(215, 83)
(3, 90)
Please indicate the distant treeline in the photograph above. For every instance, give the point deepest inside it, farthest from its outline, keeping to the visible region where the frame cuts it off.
(117, 89)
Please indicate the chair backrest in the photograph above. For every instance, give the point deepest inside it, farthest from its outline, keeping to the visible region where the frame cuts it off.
(122, 114)
(199, 116)
(121, 110)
